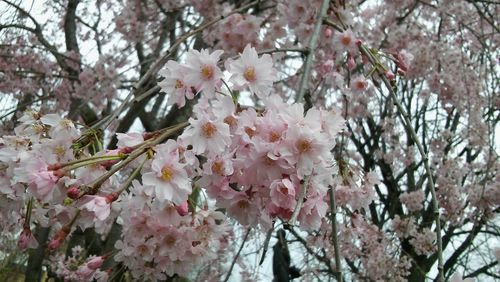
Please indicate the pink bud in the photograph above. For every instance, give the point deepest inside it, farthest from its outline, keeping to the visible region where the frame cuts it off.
(95, 263)
(351, 64)
(54, 244)
(73, 193)
(112, 197)
(390, 75)
(59, 237)
(54, 166)
(27, 240)
(126, 150)
(59, 173)
(328, 33)
(183, 209)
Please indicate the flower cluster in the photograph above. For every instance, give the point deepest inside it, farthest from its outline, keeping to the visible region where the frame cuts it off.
(413, 200)
(161, 239)
(77, 267)
(258, 162)
(201, 73)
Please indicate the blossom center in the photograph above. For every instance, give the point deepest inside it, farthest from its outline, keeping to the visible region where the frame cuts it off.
(303, 145)
(170, 240)
(166, 173)
(231, 121)
(249, 74)
(207, 72)
(274, 136)
(250, 131)
(178, 84)
(59, 150)
(217, 167)
(360, 85)
(243, 204)
(283, 190)
(38, 128)
(346, 40)
(208, 130)
(66, 123)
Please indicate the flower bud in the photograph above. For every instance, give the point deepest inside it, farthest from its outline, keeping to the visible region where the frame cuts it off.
(328, 32)
(95, 263)
(183, 209)
(73, 192)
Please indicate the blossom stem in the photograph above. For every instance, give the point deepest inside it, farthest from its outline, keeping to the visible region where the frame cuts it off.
(73, 219)
(229, 89)
(333, 24)
(131, 178)
(27, 218)
(147, 94)
(403, 115)
(313, 42)
(135, 154)
(91, 160)
(275, 50)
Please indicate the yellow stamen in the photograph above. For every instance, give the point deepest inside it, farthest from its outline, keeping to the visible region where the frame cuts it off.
(166, 173)
(208, 129)
(303, 145)
(249, 74)
(178, 84)
(207, 72)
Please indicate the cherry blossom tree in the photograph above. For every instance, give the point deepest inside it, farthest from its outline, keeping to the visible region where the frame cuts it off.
(182, 140)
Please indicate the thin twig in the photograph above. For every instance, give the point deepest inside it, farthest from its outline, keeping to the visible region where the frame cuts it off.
(236, 256)
(335, 241)
(147, 94)
(300, 201)
(323, 259)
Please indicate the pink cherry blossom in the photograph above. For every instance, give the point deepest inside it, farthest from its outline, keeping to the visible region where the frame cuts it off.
(250, 70)
(345, 41)
(205, 134)
(168, 176)
(174, 83)
(203, 73)
(100, 206)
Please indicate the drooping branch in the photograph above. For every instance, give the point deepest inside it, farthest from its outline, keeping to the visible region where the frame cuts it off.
(313, 42)
(408, 125)
(335, 241)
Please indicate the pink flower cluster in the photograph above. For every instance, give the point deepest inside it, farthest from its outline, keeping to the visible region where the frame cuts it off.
(235, 32)
(202, 73)
(423, 241)
(414, 201)
(357, 196)
(377, 254)
(160, 239)
(257, 162)
(76, 268)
